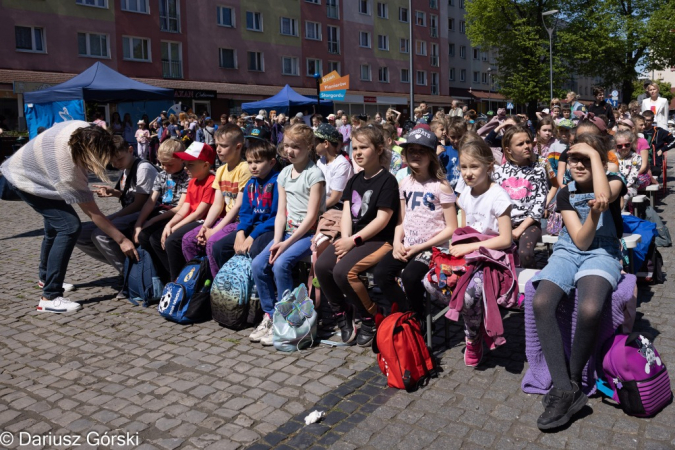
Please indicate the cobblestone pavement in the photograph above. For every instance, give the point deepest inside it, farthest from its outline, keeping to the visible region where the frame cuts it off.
(116, 368)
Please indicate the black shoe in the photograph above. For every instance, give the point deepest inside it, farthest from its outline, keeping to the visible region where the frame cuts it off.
(561, 406)
(366, 332)
(347, 325)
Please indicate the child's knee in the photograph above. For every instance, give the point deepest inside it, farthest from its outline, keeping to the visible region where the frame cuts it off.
(259, 263)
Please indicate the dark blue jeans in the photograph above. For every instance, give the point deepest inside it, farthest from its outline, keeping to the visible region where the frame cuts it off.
(62, 227)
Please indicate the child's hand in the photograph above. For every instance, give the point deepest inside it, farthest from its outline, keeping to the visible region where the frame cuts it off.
(460, 250)
(400, 252)
(137, 231)
(276, 250)
(242, 247)
(104, 191)
(515, 234)
(414, 250)
(343, 246)
(209, 232)
(440, 149)
(599, 205)
(582, 149)
(165, 234)
(201, 236)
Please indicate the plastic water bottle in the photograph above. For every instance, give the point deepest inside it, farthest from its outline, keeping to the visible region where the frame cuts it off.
(207, 286)
(254, 293)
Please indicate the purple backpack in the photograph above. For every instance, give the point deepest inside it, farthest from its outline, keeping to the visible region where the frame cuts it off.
(636, 376)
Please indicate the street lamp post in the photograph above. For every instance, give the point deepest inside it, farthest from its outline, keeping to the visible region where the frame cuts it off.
(489, 71)
(410, 60)
(317, 77)
(550, 40)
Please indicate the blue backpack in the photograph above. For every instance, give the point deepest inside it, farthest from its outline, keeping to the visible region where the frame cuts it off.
(141, 283)
(186, 300)
(231, 293)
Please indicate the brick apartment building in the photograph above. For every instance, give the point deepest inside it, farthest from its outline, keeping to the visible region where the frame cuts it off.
(217, 54)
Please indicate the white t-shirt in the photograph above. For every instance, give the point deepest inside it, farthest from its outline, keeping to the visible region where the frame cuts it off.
(145, 180)
(482, 212)
(337, 173)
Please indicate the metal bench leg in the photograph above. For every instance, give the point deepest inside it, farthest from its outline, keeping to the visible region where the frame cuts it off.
(630, 261)
(427, 307)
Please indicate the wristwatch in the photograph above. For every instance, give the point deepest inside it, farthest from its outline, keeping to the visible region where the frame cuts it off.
(358, 240)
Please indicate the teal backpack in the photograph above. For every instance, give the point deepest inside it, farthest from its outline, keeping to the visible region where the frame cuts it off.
(231, 304)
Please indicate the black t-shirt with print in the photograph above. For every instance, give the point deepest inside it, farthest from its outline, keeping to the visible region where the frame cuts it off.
(563, 200)
(366, 196)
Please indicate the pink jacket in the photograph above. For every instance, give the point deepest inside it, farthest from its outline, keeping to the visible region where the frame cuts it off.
(499, 278)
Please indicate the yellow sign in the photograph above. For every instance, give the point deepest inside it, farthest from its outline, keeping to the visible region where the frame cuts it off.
(336, 84)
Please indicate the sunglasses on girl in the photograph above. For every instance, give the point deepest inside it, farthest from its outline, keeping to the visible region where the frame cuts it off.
(622, 146)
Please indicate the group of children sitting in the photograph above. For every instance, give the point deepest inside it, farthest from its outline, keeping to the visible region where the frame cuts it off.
(391, 218)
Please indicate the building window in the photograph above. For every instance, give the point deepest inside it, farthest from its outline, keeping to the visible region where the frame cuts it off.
(365, 72)
(136, 49)
(452, 74)
(169, 16)
(462, 51)
(225, 16)
(290, 66)
(435, 87)
(451, 49)
(288, 26)
(433, 25)
(383, 74)
(484, 78)
(403, 15)
(333, 66)
(383, 42)
(93, 45)
(313, 66)
(138, 6)
(451, 2)
(421, 18)
(256, 62)
(484, 56)
(228, 58)
(382, 10)
(476, 53)
(405, 45)
(421, 78)
(433, 4)
(462, 75)
(254, 21)
(333, 10)
(312, 31)
(461, 4)
(476, 77)
(405, 76)
(364, 7)
(451, 24)
(434, 55)
(97, 3)
(462, 27)
(316, 2)
(364, 39)
(172, 64)
(30, 39)
(333, 40)
(421, 48)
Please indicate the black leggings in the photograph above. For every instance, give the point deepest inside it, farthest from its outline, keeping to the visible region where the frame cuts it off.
(340, 279)
(528, 240)
(174, 249)
(592, 292)
(385, 275)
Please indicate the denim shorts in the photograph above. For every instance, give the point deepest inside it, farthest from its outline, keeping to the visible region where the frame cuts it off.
(568, 264)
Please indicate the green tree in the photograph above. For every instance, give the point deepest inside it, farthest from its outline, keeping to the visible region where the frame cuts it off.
(598, 38)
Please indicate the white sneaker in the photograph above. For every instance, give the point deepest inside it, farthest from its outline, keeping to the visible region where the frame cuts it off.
(268, 339)
(67, 287)
(262, 329)
(59, 305)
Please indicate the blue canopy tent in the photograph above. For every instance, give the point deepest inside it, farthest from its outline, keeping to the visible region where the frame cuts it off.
(99, 83)
(282, 102)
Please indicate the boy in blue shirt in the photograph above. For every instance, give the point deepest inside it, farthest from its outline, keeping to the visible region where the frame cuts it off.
(446, 152)
(259, 206)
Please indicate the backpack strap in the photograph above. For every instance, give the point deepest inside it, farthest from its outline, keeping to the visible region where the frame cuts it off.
(131, 179)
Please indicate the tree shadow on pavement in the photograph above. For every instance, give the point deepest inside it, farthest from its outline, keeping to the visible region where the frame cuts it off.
(26, 234)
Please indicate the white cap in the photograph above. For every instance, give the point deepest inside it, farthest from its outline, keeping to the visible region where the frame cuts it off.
(259, 117)
(545, 111)
(140, 122)
(299, 115)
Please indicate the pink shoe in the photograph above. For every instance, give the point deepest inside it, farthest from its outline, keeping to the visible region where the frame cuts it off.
(473, 354)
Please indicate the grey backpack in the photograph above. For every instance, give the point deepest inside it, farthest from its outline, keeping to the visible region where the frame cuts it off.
(663, 238)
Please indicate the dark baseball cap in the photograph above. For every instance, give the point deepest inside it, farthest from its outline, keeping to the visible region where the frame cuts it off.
(261, 133)
(327, 132)
(422, 135)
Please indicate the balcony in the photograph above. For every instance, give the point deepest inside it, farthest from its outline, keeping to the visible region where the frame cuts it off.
(332, 12)
(334, 48)
(172, 69)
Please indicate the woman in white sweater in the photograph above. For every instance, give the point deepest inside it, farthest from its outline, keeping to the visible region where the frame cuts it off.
(50, 173)
(658, 105)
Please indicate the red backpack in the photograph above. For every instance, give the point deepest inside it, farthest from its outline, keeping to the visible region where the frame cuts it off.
(402, 353)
